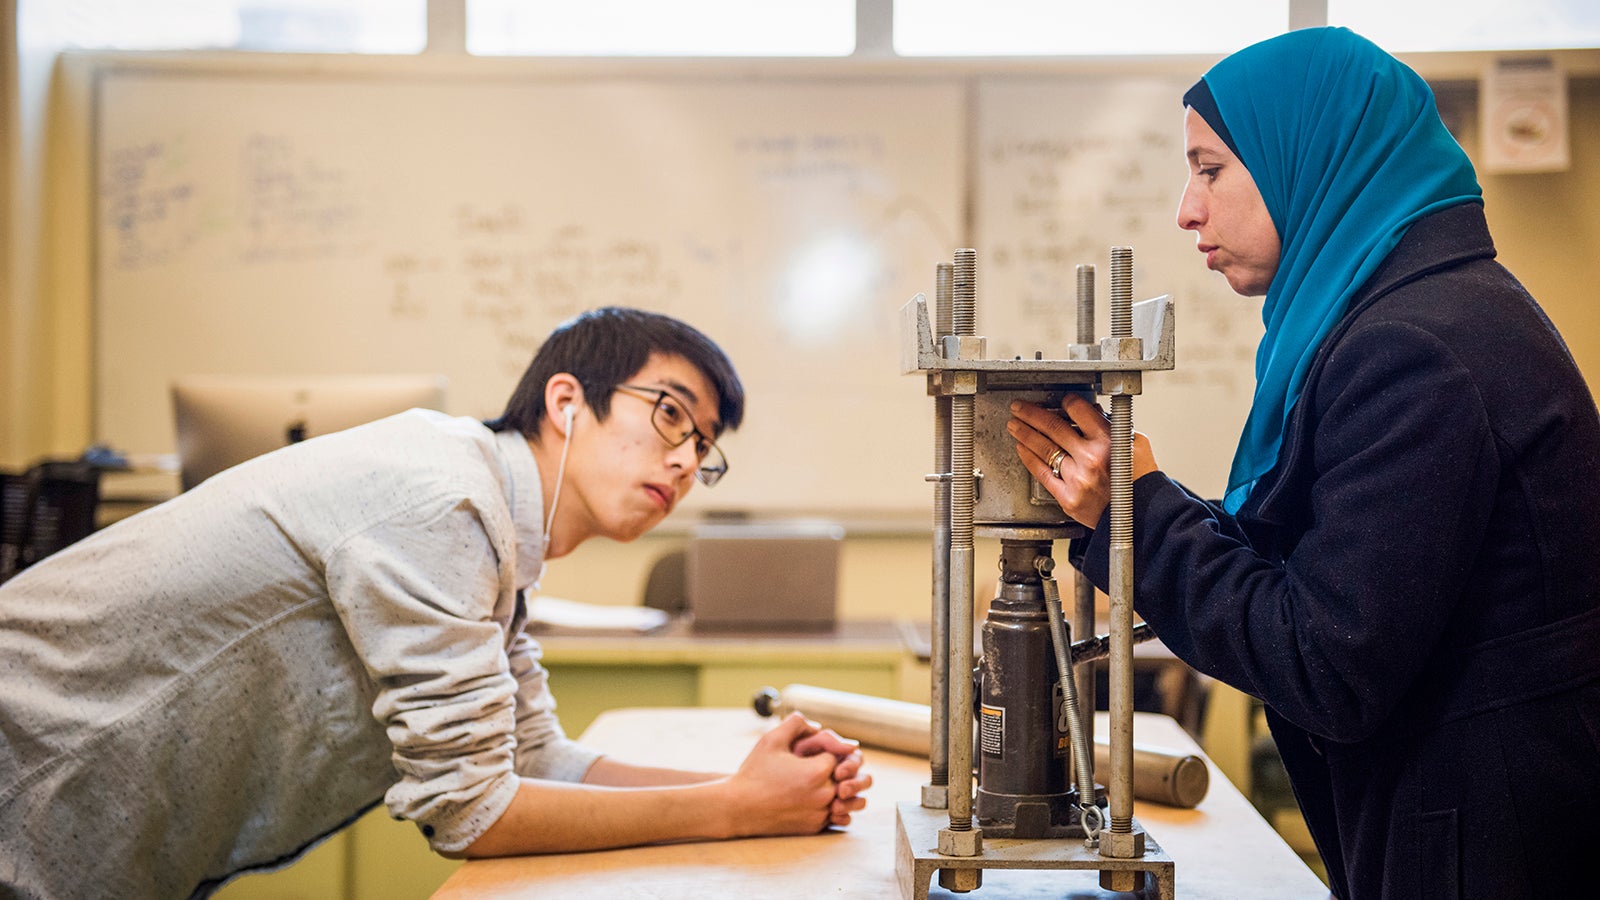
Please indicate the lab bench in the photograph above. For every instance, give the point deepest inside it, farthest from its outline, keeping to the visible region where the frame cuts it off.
(378, 858)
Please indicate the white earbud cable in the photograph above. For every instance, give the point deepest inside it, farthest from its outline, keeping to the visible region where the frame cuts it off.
(561, 471)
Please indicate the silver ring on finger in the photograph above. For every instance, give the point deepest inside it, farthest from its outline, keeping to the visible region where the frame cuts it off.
(1055, 461)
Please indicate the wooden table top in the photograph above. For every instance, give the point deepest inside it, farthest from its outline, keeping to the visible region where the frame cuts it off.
(1221, 849)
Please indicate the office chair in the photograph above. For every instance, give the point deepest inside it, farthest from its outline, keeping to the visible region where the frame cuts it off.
(666, 587)
(44, 509)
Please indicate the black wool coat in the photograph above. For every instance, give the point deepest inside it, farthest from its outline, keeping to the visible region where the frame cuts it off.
(1414, 589)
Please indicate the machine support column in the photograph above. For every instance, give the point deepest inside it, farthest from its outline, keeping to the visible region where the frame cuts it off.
(936, 794)
(1121, 840)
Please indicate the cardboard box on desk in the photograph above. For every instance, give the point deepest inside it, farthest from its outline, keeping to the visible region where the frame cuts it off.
(764, 577)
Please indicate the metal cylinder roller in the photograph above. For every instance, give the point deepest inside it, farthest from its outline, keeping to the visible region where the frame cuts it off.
(1159, 775)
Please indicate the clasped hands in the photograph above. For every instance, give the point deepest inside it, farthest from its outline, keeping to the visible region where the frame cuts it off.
(813, 776)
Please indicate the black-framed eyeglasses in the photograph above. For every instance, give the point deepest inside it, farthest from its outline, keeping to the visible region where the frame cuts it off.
(673, 422)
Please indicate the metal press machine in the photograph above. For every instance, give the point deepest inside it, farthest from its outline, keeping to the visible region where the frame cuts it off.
(1037, 805)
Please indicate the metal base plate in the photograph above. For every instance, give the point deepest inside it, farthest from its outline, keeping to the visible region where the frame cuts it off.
(917, 859)
(1014, 532)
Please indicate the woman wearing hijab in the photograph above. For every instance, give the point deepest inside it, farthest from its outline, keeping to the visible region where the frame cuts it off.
(1406, 565)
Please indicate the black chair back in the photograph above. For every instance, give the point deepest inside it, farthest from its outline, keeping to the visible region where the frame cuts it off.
(44, 509)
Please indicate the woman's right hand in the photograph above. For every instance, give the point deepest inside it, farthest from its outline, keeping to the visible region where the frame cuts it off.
(1082, 436)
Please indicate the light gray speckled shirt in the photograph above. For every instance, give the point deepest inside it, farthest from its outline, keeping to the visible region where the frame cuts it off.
(221, 681)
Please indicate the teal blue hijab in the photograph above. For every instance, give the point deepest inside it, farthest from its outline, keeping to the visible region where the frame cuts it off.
(1346, 146)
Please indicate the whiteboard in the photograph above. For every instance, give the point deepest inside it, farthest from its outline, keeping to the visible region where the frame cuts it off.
(1067, 167)
(340, 224)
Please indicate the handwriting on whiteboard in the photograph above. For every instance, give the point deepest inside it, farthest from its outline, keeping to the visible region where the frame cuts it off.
(1058, 201)
(282, 204)
(149, 205)
(293, 206)
(794, 156)
(499, 270)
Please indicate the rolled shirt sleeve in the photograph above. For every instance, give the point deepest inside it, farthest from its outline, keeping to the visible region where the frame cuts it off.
(428, 597)
(543, 748)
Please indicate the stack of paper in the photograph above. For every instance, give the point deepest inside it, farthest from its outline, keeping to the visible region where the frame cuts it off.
(552, 615)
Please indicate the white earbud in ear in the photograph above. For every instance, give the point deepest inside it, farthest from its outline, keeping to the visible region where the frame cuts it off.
(569, 411)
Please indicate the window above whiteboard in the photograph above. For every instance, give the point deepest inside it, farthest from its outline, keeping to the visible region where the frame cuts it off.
(1056, 28)
(656, 28)
(796, 28)
(1430, 25)
(285, 26)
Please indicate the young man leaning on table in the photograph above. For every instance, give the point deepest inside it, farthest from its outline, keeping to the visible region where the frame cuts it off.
(217, 684)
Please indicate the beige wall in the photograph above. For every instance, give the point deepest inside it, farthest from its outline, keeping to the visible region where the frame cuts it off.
(45, 330)
(14, 362)
(1547, 226)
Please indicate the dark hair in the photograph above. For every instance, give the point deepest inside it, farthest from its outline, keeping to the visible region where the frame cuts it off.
(1200, 99)
(602, 348)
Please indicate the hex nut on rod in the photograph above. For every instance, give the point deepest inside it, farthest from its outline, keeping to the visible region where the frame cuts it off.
(1122, 348)
(961, 843)
(1121, 879)
(1123, 844)
(1125, 384)
(960, 881)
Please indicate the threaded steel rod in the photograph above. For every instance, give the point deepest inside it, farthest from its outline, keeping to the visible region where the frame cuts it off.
(1120, 792)
(963, 291)
(1121, 292)
(961, 589)
(1085, 304)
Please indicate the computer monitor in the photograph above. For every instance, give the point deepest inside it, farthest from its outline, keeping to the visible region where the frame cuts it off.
(764, 576)
(223, 420)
